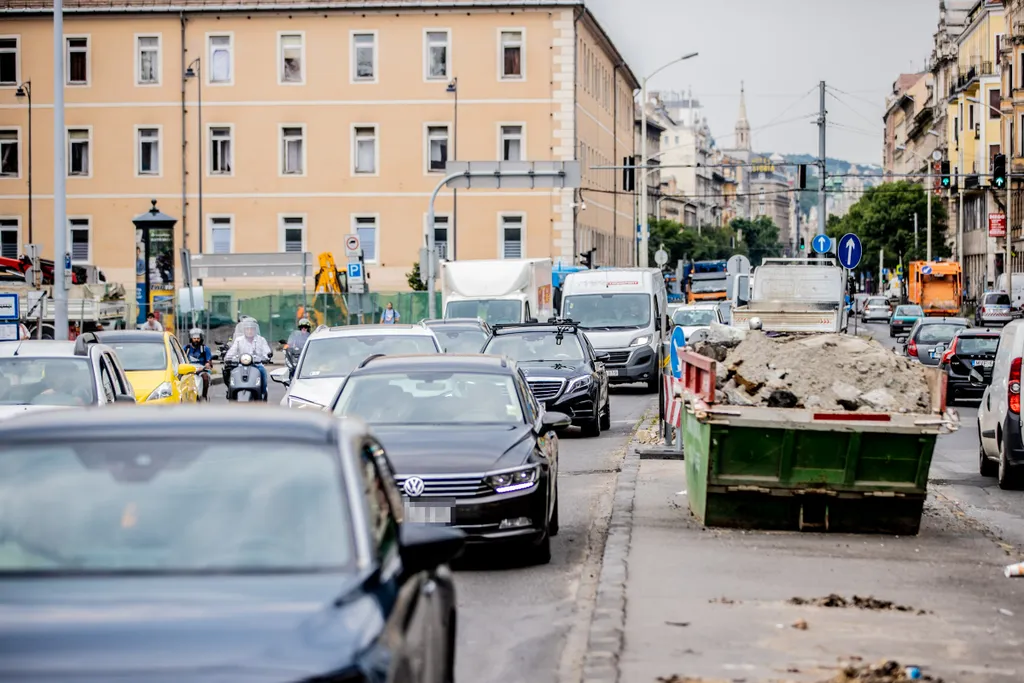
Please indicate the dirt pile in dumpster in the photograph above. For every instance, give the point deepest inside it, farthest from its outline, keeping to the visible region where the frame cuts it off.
(827, 372)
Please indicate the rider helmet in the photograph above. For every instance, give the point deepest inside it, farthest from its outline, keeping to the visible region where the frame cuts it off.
(304, 322)
(196, 334)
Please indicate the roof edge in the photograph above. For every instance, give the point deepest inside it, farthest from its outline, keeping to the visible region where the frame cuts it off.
(603, 36)
(173, 7)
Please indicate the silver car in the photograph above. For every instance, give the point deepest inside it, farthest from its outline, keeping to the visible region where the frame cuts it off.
(877, 308)
(994, 309)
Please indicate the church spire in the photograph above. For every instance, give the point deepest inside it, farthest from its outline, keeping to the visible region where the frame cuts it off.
(742, 125)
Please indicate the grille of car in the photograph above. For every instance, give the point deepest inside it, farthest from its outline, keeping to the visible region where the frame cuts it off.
(454, 486)
(617, 358)
(545, 389)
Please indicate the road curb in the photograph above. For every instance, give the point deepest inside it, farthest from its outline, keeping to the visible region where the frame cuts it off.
(608, 622)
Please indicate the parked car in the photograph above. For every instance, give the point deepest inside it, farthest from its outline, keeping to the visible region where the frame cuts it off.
(970, 349)
(993, 309)
(903, 318)
(877, 308)
(693, 317)
(459, 335)
(859, 301)
(156, 366)
(1001, 452)
(930, 337)
(187, 544)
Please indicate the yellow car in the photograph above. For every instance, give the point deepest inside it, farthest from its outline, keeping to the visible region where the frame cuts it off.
(155, 364)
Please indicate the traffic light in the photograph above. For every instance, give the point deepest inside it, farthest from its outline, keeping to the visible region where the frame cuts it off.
(947, 181)
(803, 244)
(587, 258)
(628, 175)
(999, 171)
(802, 176)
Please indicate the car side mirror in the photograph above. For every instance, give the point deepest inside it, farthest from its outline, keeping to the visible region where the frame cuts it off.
(978, 379)
(555, 420)
(186, 369)
(124, 398)
(902, 339)
(425, 547)
(281, 376)
(602, 356)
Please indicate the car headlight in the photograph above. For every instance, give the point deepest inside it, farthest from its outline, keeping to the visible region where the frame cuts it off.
(579, 383)
(641, 341)
(162, 391)
(246, 359)
(517, 480)
(296, 402)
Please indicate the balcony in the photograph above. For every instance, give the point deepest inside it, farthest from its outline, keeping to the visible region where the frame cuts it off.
(967, 74)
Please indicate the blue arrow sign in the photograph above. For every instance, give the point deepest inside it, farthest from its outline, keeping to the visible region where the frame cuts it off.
(675, 346)
(67, 261)
(850, 250)
(926, 270)
(355, 271)
(822, 244)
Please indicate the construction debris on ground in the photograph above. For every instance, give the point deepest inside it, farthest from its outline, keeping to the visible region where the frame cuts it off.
(827, 372)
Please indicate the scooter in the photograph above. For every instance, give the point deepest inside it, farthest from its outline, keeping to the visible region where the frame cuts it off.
(202, 383)
(243, 379)
(291, 358)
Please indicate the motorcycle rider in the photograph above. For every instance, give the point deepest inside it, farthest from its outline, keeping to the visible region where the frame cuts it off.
(296, 340)
(247, 339)
(199, 354)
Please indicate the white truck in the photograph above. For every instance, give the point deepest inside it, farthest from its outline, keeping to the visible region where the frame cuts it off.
(90, 307)
(796, 295)
(497, 291)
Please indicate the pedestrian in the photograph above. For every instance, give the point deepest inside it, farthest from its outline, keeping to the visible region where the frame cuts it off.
(152, 325)
(390, 315)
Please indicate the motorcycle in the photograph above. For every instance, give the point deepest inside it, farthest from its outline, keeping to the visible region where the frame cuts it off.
(244, 381)
(291, 357)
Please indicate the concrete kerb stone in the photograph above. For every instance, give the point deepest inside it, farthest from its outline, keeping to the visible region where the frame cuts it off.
(605, 640)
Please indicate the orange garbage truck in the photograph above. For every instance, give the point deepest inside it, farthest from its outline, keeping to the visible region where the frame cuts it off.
(935, 286)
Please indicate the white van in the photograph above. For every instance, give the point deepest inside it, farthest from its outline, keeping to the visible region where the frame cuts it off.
(999, 416)
(1017, 295)
(624, 313)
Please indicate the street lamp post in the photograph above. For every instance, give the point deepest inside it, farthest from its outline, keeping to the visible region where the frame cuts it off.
(197, 73)
(25, 90)
(453, 88)
(645, 229)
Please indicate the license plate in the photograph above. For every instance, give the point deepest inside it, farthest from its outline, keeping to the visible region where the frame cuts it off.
(934, 354)
(983, 363)
(613, 373)
(422, 513)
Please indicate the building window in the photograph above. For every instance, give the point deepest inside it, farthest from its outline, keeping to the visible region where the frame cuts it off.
(512, 55)
(365, 144)
(220, 234)
(293, 234)
(511, 143)
(9, 61)
(511, 236)
(220, 150)
(291, 58)
(149, 151)
(994, 100)
(9, 157)
(437, 55)
(366, 229)
(78, 152)
(970, 115)
(292, 150)
(437, 148)
(78, 61)
(364, 57)
(220, 59)
(441, 236)
(80, 242)
(10, 238)
(148, 48)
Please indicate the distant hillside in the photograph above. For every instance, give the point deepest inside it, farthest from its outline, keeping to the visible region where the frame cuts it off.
(832, 165)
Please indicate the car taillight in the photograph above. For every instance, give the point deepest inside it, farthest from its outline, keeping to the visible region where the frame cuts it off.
(1013, 386)
(912, 348)
(949, 354)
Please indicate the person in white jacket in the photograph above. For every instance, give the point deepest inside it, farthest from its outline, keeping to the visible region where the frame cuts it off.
(247, 339)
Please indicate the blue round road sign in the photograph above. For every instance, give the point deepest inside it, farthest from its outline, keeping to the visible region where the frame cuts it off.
(822, 244)
(850, 250)
(675, 345)
(926, 270)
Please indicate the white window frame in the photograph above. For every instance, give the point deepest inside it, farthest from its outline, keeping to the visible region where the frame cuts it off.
(522, 139)
(521, 30)
(209, 230)
(207, 64)
(159, 59)
(88, 228)
(67, 151)
(502, 215)
(17, 228)
(17, 61)
(280, 57)
(376, 234)
(281, 150)
(282, 226)
(209, 149)
(159, 150)
(426, 144)
(426, 55)
(67, 60)
(376, 151)
(427, 227)
(352, 77)
(17, 131)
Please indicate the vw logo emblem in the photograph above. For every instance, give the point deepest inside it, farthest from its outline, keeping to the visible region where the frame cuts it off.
(413, 486)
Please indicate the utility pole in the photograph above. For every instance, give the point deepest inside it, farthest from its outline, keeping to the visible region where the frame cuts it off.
(881, 267)
(928, 220)
(1008, 259)
(915, 231)
(60, 209)
(960, 195)
(822, 215)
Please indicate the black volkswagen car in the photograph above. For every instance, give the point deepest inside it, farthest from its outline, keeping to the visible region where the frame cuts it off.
(563, 370)
(470, 445)
(970, 349)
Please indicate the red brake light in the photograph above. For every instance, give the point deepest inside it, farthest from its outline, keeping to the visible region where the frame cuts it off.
(912, 348)
(1013, 393)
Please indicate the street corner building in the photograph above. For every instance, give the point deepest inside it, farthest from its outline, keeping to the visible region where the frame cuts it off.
(285, 126)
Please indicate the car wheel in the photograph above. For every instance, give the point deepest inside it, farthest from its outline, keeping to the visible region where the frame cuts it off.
(541, 552)
(653, 384)
(553, 525)
(986, 467)
(1008, 479)
(606, 418)
(449, 673)
(592, 428)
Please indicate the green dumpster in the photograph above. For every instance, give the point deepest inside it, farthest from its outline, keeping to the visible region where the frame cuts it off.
(797, 469)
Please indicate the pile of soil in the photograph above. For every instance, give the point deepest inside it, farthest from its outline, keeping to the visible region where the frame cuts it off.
(827, 372)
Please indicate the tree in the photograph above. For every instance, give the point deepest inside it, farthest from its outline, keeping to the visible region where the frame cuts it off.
(413, 277)
(683, 242)
(761, 237)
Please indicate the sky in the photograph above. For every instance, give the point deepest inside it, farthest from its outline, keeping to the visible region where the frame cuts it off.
(781, 49)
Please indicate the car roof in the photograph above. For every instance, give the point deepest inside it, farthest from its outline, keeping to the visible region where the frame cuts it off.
(700, 307)
(449, 362)
(978, 332)
(566, 328)
(453, 321)
(461, 325)
(371, 330)
(934, 321)
(210, 421)
(136, 336)
(46, 348)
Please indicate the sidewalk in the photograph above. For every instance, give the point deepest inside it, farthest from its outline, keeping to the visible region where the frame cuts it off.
(711, 606)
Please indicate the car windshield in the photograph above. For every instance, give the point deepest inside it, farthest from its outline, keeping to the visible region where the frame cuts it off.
(491, 311)
(431, 398)
(909, 311)
(46, 382)
(706, 286)
(878, 302)
(609, 311)
(972, 346)
(142, 355)
(171, 505)
(937, 333)
(693, 317)
(997, 299)
(460, 341)
(524, 347)
(338, 356)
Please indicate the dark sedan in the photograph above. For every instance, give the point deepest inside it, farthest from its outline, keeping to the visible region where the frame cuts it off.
(930, 337)
(252, 546)
(460, 335)
(471, 446)
(971, 349)
(563, 370)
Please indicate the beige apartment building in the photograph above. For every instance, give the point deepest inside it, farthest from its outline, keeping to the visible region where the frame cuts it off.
(313, 124)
